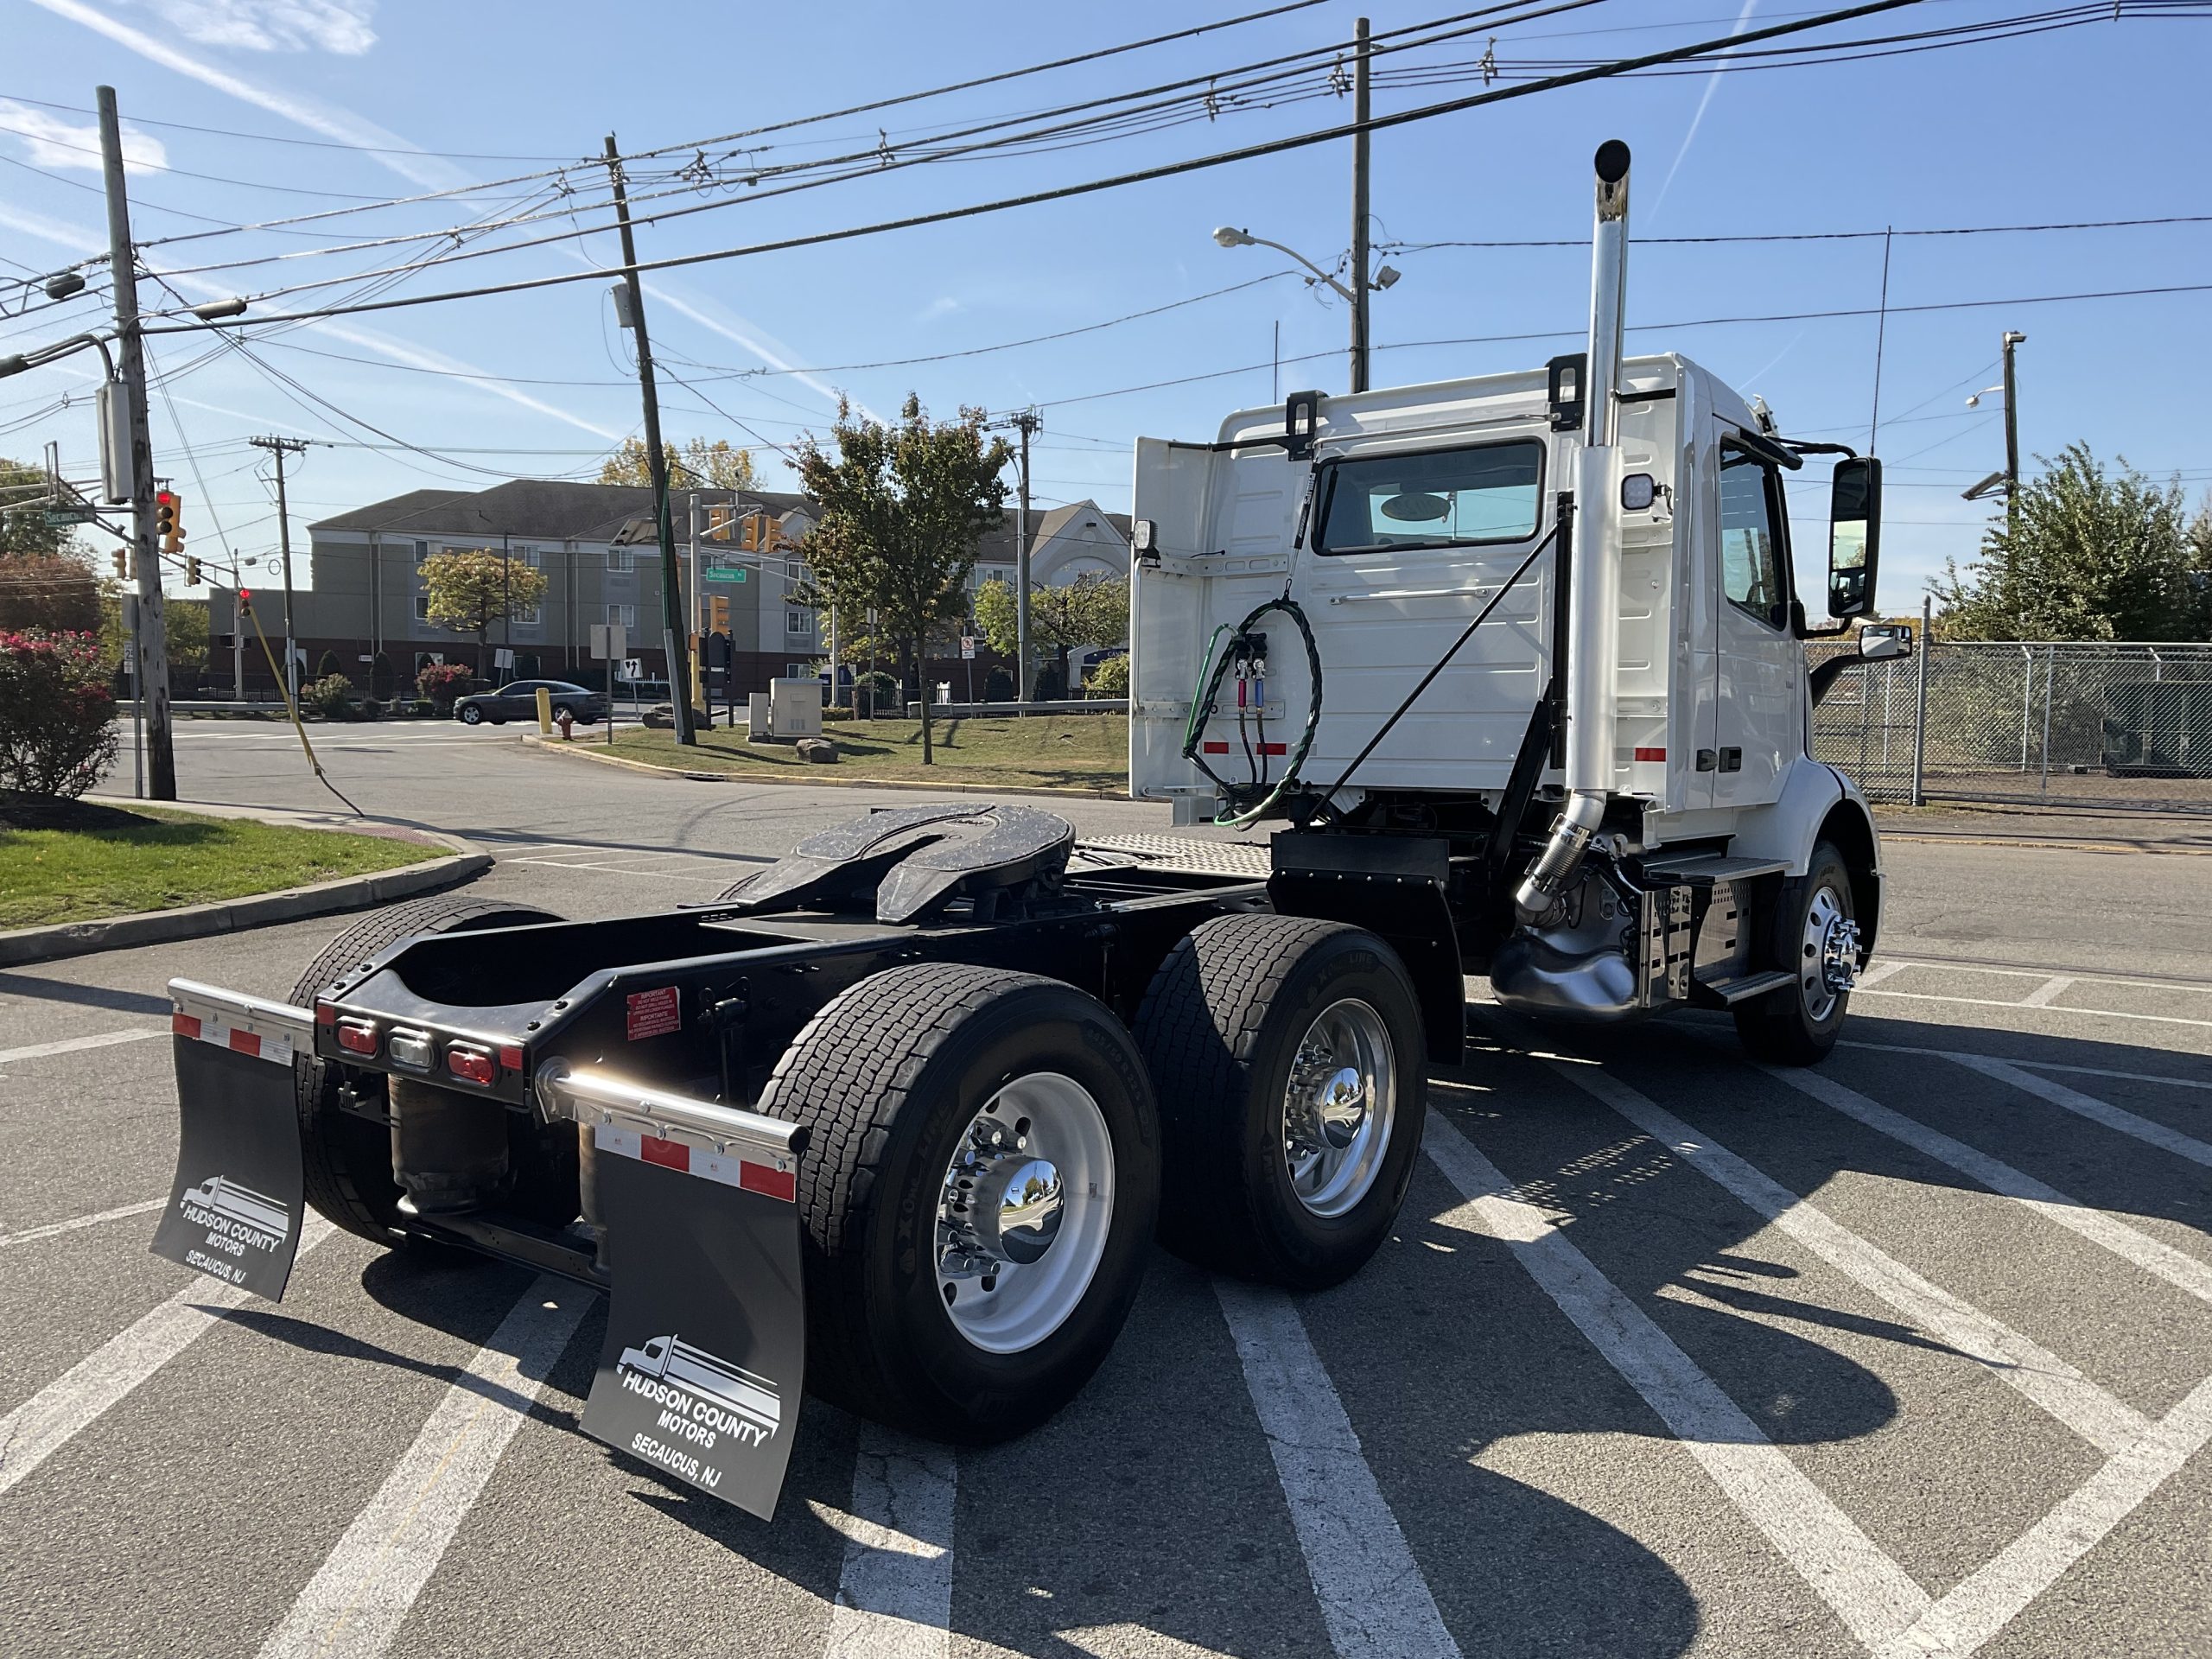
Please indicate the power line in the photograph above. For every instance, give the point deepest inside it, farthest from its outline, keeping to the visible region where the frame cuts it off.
(1583, 243)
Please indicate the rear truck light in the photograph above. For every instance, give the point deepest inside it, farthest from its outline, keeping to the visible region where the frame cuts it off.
(510, 1057)
(1650, 755)
(326, 1013)
(471, 1063)
(410, 1048)
(357, 1036)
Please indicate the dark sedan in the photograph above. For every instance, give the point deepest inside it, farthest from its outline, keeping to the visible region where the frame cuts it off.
(518, 700)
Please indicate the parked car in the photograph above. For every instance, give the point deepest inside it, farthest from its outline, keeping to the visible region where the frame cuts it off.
(518, 700)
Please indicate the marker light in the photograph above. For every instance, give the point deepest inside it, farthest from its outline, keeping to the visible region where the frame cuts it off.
(471, 1065)
(358, 1036)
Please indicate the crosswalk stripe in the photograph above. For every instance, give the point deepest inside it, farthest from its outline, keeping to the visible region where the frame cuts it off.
(895, 1594)
(360, 1596)
(1869, 1592)
(2040, 1066)
(54, 1416)
(2089, 1106)
(1374, 1600)
(2106, 1423)
(2178, 1270)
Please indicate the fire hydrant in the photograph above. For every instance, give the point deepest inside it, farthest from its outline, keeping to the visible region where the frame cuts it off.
(563, 719)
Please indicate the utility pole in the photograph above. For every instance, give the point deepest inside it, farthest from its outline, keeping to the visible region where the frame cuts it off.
(149, 668)
(2012, 435)
(671, 612)
(1028, 423)
(1359, 215)
(280, 448)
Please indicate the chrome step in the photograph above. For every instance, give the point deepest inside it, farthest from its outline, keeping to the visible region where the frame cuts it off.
(1746, 986)
(1707, 868)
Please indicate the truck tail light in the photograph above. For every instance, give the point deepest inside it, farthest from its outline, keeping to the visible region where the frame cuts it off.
(412, 1049)
(471, 1065)
(357, 1036)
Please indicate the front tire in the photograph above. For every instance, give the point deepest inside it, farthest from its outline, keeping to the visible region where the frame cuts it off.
(471, 715)
(977, 1198)
(345, 1158)
(1292, 1070)
(1813, 936)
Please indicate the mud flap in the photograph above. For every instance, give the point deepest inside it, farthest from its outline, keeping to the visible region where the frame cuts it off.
(236, 1206)
(705, 1357)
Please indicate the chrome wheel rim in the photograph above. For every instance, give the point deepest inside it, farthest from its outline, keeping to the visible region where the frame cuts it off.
(1024, 1213)
(1338, 1107)
(1827, 963)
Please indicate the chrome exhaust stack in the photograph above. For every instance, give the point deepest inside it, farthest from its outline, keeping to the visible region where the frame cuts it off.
(1593, 622)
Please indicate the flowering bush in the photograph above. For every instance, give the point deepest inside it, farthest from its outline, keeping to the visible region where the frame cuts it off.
(55, 712)
(328, 696)
(440, 682)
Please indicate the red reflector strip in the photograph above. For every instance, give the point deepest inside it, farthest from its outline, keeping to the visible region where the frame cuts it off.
(769, 1183)
(1215, 748)
(510, 1057)
(1651, 754)
(669, 1154)
(1275, 748)
(357, 1037)
(245, 1042)
(326, 1013)
(185, 1025)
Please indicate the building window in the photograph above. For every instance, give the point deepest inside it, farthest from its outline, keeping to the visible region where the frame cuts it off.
(626, 615)
(421, 551)
(799, 623)
(622, 558)
(527, 616)
(422, 608)
(527, 555)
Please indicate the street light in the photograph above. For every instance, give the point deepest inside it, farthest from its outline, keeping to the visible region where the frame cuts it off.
(1229, 235)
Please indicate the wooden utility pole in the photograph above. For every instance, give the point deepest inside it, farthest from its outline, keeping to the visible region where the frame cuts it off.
(280, 448)
(2012, 436)
(149, 668)
(1359, 214)
(1028, 423)
(677, 644)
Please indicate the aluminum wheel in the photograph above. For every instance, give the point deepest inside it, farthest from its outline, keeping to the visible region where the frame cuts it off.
(1028, 1204)
(1339, 1107)
(1827, 964)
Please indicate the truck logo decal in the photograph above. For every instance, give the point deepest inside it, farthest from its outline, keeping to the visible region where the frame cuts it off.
(702, 1398)
(241, 1225)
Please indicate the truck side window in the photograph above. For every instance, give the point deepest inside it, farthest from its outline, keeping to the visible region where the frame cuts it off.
(1751, 565)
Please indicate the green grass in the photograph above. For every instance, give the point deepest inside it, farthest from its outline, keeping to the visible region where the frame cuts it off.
(91, 862)
(1041, 751)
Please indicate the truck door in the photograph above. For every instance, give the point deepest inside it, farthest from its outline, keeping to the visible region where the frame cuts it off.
(1758, 727)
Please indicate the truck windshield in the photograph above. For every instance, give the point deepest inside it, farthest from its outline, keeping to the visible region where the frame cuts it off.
(1441, 498)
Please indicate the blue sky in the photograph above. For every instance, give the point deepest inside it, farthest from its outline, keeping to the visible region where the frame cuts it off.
(346, 102)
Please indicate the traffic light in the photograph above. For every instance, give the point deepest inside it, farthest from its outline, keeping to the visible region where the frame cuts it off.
(717, 614)
(122, 565)
(245, 604)
(191, 571)
(166, 527)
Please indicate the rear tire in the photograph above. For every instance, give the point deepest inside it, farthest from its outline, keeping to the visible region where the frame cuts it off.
(897, 1080)
(346, 1159)
(1234, 1028)
(563, 711)
(1798, 1025)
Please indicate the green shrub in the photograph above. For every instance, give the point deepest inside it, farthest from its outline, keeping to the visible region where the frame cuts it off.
(55, 710)
(881, 690)
(328, 666)
(1108, 679)
(380, 678)
(330, 697)
(998, 686)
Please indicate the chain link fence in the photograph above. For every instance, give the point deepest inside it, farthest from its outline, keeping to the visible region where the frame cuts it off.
(2119, 726)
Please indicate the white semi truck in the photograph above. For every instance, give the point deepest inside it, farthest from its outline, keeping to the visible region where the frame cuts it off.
(1518, 665)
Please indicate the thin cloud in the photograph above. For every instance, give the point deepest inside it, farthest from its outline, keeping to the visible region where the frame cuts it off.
(49, 140)
(1712, 84)
(338, 25)
(342, 125)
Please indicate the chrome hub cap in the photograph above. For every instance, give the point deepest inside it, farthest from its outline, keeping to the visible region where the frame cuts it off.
(1024, 1213)
(1338, 1107)
(1828, 965)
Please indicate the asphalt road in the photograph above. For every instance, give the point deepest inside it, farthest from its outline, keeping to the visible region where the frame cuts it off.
(1911, 1353)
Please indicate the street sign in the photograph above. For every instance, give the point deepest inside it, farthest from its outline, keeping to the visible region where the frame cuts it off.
(968, 647)
(726, 573)
(71, 515)
(633, 668)
(610, 641)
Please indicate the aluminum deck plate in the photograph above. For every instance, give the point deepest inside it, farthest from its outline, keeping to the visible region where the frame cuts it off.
(1239, 858)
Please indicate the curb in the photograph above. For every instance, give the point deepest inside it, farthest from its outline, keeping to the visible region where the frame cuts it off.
(23, 946)
(826, 777)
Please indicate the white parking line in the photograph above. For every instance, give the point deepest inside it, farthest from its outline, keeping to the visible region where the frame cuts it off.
(2089, 1106)
(30, 1234)
(2082, 978)
(2183, 1272)
(2085, 1013)
(1882, 970)
(50, 1419)
(895, 1594)
(2106, 1423)
(357, 1601)
(2040, 1066)
(1980, 1605)
(1374, 1600)
(2044, 994)
(1874, 1596)
(72, 1045)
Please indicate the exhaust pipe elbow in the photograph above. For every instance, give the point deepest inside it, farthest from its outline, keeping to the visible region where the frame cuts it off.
(1562, 856)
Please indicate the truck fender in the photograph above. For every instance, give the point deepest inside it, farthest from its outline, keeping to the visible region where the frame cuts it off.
(1819, 804)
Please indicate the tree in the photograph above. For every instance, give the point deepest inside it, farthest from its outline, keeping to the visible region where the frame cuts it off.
(184, 626)
(1092, 610)
(698, 465)
(472, 591)
(903, 508)
(23, 528)
(53, 591)
(2085, 556)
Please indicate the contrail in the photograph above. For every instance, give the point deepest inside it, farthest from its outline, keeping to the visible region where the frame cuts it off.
(1711, 83)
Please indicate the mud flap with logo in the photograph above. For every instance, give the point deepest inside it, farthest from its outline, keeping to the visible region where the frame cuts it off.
(706, 1325)
(235, 1208)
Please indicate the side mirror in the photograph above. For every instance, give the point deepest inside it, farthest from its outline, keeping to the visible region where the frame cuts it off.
(1854, 534)
(1880, 642)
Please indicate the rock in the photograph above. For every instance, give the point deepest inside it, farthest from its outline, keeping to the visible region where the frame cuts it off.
(819, 751)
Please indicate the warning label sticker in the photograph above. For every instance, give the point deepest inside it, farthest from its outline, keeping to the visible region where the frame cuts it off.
(654, 1013)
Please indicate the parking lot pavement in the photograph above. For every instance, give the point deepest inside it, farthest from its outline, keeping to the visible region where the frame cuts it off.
(1909, 1353)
